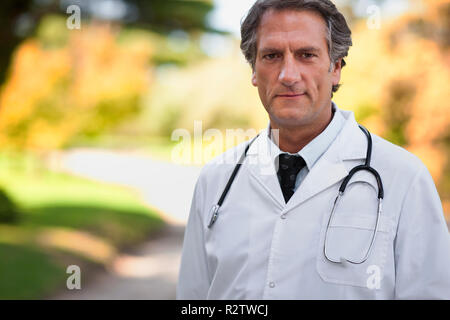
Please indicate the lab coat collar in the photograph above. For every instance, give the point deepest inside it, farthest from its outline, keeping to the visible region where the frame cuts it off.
(316, 147)
(350, 144)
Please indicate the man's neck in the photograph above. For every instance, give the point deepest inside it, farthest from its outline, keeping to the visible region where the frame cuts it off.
(293, 139)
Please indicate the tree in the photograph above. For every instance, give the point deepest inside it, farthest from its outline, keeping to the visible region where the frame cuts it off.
(20, 18)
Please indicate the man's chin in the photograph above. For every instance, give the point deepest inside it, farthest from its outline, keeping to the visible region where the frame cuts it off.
(287, 112)
(289, 121)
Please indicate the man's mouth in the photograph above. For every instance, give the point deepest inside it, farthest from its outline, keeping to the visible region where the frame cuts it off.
(290, 95)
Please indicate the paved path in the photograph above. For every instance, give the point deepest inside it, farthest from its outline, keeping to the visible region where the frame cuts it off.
(150, 271)
(166, 186)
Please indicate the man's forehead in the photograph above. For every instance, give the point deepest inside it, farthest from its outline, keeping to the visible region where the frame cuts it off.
(294, 15)
(290, 24)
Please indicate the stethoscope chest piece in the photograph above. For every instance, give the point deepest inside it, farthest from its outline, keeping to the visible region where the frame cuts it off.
(214, 214)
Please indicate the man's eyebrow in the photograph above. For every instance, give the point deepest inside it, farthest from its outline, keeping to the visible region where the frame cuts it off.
(308, 49)
(267, 50)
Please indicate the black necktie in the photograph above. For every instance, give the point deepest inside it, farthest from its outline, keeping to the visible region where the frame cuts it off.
(289, 166)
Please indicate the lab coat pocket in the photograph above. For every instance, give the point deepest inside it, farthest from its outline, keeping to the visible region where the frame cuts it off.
(349, 237)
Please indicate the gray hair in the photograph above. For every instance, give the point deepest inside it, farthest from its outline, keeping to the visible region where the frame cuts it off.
(338, 33)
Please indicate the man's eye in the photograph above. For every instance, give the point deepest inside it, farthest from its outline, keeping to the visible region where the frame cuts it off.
(271, 56)
(308, 55)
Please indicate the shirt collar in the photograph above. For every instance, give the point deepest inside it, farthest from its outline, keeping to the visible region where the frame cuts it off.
(315, 148)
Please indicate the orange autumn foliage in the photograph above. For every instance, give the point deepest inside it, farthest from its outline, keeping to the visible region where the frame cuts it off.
(53, 94)
(397, 81)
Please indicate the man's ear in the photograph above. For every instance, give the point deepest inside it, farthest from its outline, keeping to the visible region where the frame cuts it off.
(336, 72)
(254, 79)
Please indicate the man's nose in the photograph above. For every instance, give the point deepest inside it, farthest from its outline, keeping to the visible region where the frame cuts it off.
(290, 72)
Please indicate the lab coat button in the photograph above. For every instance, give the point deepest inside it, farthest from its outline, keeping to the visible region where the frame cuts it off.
(283, 216)
(272, 284)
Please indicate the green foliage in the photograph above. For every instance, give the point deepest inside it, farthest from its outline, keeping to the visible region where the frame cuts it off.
(27, 272)
(121, 227)
(223, 118)
(168, 15)
(8, 210)
(444, 186)
(397, 113)
(176, 48)
(365, 111)
(169, 120)
(52, 32)
(109, 113)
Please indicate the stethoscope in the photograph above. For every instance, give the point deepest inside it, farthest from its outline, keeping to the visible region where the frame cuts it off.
(365, 167)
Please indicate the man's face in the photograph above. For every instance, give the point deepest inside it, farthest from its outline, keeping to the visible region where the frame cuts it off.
(292, 68)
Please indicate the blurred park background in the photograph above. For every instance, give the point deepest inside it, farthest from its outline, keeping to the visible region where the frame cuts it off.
(87, 167)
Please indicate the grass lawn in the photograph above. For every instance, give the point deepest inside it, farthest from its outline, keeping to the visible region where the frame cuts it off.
(27, 272)
(63, 220)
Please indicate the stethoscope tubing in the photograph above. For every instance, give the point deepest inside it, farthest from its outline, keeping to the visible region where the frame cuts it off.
(365, 167)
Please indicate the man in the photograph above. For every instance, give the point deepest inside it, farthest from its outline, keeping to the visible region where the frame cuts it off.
(274, 236)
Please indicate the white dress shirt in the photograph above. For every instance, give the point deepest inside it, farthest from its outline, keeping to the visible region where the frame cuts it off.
(313, 150)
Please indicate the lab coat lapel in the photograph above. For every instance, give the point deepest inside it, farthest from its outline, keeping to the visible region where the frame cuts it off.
(350, 144)
(262, 168)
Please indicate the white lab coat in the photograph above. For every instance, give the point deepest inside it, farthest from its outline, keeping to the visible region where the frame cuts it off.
(262, 248)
